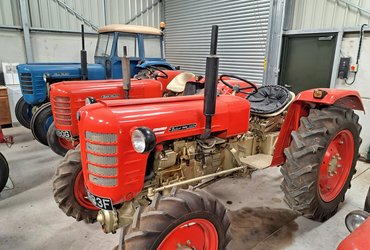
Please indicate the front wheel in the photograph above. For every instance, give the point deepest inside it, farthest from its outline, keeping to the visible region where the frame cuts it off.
(23, 112)
(40, 123)
(321, 161)
(4, 171)
(69, 189)
(57, 144)
(184, 220)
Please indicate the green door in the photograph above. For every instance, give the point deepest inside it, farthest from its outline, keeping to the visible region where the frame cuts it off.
(307, 61)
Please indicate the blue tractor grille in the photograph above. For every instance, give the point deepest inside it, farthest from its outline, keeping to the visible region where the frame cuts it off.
(26, 83)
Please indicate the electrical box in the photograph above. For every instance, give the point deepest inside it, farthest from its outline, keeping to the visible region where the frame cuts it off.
(344, 66)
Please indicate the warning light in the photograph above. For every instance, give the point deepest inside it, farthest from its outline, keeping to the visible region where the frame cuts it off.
(354, 67)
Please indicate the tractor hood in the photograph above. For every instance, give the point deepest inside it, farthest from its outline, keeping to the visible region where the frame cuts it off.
(31, 77)
(112, 123)
(74, 93)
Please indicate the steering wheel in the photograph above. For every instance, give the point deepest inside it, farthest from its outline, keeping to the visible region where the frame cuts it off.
(152, 70)
(237, 88)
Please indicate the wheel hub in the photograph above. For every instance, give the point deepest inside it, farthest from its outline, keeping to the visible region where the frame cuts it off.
(336, 165)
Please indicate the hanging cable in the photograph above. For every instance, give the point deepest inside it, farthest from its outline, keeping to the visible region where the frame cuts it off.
(358, 55)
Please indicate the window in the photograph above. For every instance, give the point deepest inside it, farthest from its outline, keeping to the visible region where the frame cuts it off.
(152, 46)
(104, 46)
(130, 41)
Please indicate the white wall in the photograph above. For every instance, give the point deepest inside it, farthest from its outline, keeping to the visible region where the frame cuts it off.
(349, 48)
(58, 47)
(11, 47)
(46, 46)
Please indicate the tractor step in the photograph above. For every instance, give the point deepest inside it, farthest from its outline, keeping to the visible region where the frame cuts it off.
(258, 161)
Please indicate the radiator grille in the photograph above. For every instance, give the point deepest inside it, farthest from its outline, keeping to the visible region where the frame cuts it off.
(62, 110)
(102, 160)
(26, 83)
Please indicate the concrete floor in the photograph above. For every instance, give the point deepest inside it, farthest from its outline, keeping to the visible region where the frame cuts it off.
(30, 219)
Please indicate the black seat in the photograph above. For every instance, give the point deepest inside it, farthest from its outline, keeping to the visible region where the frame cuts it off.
(269, 99)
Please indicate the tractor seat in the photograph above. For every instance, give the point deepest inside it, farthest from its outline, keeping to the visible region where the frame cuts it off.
(270, 100)
(178, 83)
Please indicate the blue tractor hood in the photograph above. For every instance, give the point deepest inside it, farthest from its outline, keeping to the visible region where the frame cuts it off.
(33, 86)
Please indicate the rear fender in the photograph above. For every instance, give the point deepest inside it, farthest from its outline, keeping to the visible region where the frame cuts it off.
(300, 107)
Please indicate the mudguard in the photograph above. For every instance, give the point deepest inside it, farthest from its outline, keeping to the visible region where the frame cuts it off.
(300, 107)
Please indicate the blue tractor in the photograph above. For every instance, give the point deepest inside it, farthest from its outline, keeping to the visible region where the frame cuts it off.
(144, 48)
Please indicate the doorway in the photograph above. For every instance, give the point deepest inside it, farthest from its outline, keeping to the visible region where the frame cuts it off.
(307, 61)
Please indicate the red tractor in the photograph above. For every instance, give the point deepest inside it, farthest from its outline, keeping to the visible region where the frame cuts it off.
(136, 154)
(66, 98)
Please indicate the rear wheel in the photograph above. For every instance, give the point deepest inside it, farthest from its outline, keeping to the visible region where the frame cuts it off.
(23, 112)
(69, 189)
(40, 123)
(59, 145)
(4, 171)
(184, 220)
(320, 161)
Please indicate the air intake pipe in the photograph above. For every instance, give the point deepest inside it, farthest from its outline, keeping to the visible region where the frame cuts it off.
(210, 89)
(126, 77)
(83, 55)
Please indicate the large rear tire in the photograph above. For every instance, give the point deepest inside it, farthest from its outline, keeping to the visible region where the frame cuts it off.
(188, 219)
(58, 145)
(4, 171)
(23, 112)
(69, 190)
(321, 161)
(40, 123)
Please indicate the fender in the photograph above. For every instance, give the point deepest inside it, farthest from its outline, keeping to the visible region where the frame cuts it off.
(300, 107)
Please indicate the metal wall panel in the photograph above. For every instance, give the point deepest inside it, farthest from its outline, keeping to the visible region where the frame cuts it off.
(243, 26)
(326, 14)
(9, 13)
(67, 15)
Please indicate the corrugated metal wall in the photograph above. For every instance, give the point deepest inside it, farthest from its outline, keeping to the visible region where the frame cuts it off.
(67, 15)
(319, 14)
(242, 35)
(9, 13)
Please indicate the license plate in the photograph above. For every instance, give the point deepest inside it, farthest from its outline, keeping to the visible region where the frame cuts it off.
(103, 203)
(64, 133)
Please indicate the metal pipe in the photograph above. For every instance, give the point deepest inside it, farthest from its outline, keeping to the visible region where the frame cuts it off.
(210, 90)
(154, 190)
(83, 55)
(126, 77)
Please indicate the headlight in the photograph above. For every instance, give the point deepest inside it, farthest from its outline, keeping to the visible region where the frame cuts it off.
(45, 77)
(143, 140)
(355, 218)
(90, 100)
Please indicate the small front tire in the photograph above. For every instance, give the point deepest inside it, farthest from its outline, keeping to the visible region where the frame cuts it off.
(40, 123)
(69, 190)
(188, 219)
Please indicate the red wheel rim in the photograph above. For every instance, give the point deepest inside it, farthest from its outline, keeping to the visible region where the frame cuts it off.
(67, 144)
(192, 234)
(336, 165)
(80, 193)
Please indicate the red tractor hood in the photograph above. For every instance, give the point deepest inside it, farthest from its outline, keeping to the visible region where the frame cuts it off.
(169, 118)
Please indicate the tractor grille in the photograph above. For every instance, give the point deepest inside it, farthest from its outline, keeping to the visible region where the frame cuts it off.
(26, 83)
(62, 110)
(102, 160)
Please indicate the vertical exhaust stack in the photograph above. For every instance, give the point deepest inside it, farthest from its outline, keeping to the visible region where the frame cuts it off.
(210, 90)
(126, 76)
(83, 55)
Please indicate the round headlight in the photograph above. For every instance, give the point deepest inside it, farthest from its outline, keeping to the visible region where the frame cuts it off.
(90, 100)
(45, 77)
(143, 140)
(355, 218)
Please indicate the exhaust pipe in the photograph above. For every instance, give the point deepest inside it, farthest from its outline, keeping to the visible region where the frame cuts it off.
(210, 89)
(83, 55)
(126, 76)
